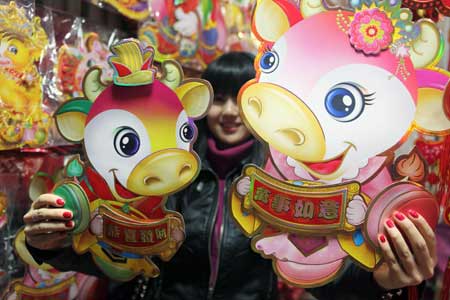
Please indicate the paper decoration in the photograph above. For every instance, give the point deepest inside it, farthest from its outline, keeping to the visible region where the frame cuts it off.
(192, 32)
(138, 137)
(336, 93)
(238, 18)
(74, 62)
(22, 41)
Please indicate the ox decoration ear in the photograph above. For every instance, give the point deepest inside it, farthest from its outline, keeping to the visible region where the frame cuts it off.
(172, 74)
(433, 93)
(92, 84)
(282, 15)
(71, 118)
(425, 49)
(196, 95)
(309, 8)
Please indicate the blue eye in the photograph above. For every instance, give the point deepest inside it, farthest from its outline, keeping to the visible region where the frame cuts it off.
(269, 62)
(126, 142)
(186, 132)
(345, 102)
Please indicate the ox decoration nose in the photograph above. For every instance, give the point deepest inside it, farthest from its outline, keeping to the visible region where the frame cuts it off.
(185, 170)
(163, 172)
(149, 180)
(295, 136)
(255, 105)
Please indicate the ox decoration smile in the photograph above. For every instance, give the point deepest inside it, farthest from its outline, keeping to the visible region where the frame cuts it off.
(137, 135)
(337, 93)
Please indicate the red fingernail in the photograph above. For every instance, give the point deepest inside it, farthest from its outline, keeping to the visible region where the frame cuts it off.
(67, 215)
(69, 224)
(413, 213)
(399, 216)
(382, 238)
(60, 201)
(389, 223)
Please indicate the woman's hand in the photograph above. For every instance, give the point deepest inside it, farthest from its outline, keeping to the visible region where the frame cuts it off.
(409, 251)
(47, 224)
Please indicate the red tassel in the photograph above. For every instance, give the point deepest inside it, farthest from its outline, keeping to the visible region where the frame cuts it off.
(412, 293)
(445, 291)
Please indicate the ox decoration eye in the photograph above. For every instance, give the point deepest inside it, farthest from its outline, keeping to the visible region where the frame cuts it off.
(345, 102)
(126, 142)
(186, 132)
(269, 62)
(13, 49)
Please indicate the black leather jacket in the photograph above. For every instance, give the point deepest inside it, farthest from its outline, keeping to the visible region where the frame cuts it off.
(242, 274)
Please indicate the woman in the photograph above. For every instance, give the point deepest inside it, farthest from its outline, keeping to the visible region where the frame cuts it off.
(216, 260)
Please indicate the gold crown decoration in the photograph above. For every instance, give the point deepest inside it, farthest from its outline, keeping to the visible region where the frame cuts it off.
(13, 20)
(132, 64)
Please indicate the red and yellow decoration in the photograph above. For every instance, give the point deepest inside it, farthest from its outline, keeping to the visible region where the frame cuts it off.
(74, 62)
(308, 208)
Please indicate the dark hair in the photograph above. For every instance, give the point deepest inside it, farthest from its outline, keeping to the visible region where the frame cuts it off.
(228, 73)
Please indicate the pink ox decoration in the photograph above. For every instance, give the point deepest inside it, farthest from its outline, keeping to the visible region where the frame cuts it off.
(336, 93)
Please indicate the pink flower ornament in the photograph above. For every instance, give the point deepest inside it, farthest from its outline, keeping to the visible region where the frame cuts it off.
(371, 31)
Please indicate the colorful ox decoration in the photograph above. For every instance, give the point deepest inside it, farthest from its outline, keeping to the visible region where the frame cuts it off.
(137, 135)
(336, 92)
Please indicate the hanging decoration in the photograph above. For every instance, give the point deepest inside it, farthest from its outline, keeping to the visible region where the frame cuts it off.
(23, 122)
(74, 62)
(191, 31)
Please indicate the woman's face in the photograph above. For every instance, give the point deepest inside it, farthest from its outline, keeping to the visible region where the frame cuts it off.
(225, 123)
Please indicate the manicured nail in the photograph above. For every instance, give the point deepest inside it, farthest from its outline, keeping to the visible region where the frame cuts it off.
(389, 223)
(67, 215)
(413, 213)
(60, 201)
(399, 216)
(382, 238)
(69, 224)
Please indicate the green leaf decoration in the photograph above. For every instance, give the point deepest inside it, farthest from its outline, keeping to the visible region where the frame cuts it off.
(74, 168)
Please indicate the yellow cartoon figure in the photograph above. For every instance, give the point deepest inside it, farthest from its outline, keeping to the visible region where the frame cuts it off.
(22, 121)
